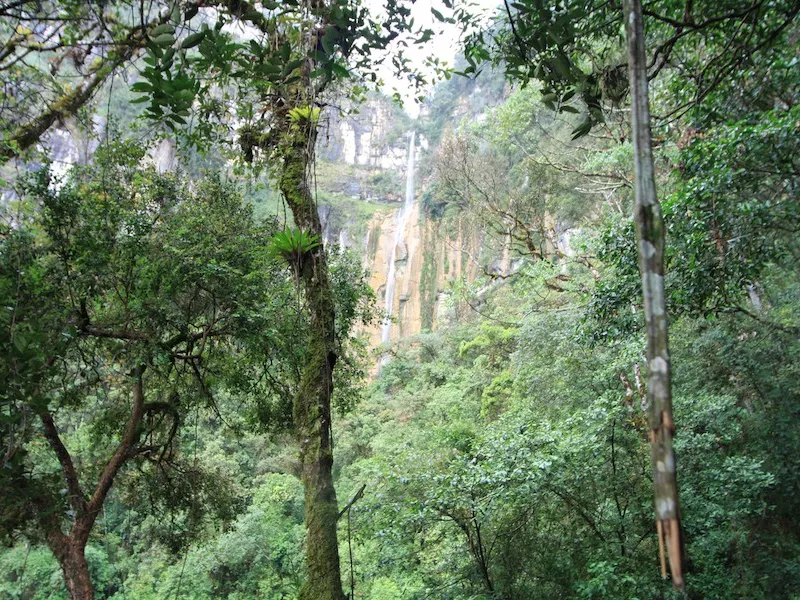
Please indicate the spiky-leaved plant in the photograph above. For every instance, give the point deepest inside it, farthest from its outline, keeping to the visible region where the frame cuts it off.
(292, 245)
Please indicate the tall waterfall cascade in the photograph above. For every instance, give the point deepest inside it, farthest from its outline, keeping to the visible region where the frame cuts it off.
(401, 223)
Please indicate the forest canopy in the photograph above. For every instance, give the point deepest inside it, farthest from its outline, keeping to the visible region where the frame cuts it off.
(266, 335)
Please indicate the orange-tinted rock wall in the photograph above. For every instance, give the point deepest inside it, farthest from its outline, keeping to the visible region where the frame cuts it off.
(426, 265)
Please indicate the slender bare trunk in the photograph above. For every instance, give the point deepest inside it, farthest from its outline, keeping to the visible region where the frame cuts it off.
(650, 238)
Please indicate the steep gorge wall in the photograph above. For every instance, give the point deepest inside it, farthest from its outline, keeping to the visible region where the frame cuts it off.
(428, 259)
(427, 263)
(371, 136)
(372, 146)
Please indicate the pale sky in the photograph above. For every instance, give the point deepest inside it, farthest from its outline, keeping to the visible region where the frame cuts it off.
(444, 43)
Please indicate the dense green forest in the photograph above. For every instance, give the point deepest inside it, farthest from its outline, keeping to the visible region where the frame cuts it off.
(266, 335)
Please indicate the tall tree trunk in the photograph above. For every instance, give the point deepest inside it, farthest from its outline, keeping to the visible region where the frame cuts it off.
(68, 551)
(650, 238)
(312, 404)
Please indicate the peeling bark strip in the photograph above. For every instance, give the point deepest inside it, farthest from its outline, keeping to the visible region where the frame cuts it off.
(312, 404)
(650, 237)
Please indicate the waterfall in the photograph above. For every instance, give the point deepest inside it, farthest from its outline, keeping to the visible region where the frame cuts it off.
(324, 212)
(402, 221)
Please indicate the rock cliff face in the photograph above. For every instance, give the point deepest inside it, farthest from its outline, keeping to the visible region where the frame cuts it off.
(426, 264)
(372, 137)
(412, 262)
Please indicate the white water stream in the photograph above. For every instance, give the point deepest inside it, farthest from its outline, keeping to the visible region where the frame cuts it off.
(402, 221)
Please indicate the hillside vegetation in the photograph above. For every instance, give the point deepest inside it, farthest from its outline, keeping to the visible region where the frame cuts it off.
(190, 407)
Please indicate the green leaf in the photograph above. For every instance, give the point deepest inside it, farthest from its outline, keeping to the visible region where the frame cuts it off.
(155, 51)
(165, 39)
(329, 39)
(193, 40)
(291, 245)
(185, 95)
(20, 343)
(562, 66)
(340, 70)
(255, 17)
(161, 30)
(271, 68)
(292, 65)
(582, 129)
(142, 87)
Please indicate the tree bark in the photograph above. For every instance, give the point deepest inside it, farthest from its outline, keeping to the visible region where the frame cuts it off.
(650, 238)
(122, 52)
(67, 105)
(71, 556)
(312, 404)
(69, 549)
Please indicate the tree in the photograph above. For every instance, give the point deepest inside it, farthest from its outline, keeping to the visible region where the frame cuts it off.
(286, 132)
(287, 57)
(284, 72)
(651, 238)
(125, 293)
(573, 50)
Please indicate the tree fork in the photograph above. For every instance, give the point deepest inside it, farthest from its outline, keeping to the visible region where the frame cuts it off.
(70, 549)
(650, 241)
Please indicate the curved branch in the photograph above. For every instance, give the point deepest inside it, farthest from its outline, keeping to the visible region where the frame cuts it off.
(67, 105)
(77, 499)
(167, 408)
(129, 438)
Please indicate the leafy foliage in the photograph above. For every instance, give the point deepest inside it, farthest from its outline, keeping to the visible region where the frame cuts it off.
(503, 455)
(293, 244)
